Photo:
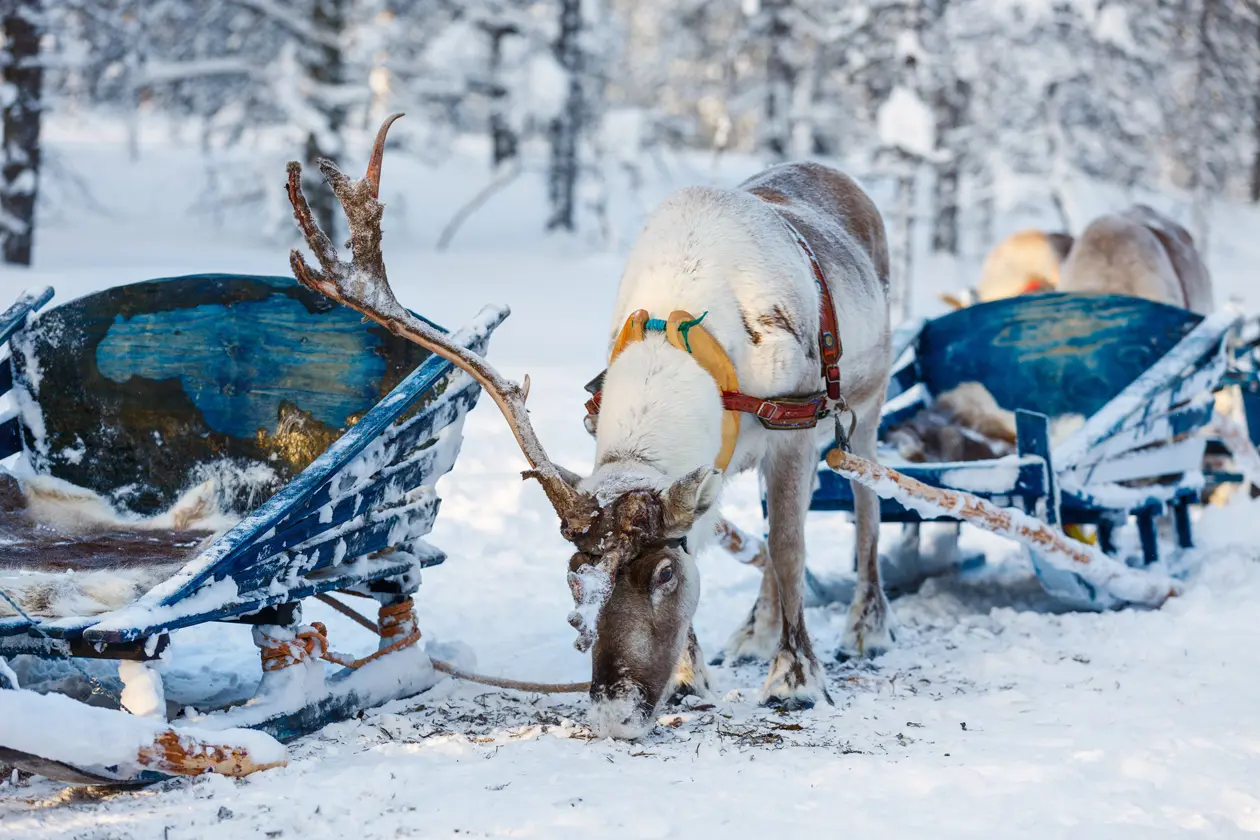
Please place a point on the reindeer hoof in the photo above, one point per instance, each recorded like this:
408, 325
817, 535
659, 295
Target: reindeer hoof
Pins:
869, 632
749, 644
796, 681
860, 647
790, 704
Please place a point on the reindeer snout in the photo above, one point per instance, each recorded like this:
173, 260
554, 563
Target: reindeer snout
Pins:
622, 712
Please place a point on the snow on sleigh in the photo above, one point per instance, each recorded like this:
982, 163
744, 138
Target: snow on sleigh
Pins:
1139, 379
320, 435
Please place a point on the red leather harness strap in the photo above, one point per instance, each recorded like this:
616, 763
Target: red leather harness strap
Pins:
779, 413
829, 347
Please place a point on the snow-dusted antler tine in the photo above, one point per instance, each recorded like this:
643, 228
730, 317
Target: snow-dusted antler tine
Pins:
362, 285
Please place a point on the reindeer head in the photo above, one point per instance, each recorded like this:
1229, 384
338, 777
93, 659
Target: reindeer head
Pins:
633, 578
635, 588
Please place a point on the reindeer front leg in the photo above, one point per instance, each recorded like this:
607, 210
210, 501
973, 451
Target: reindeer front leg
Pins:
691, 677
867, 633
757, 638
796, 679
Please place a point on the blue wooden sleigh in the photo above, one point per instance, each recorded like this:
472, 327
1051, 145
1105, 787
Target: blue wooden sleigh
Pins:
141, 386
1142, 374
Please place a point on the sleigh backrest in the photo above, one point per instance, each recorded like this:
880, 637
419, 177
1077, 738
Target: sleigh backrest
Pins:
1139, 373
141, 391
1055, 354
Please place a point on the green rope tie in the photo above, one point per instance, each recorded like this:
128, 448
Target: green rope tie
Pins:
660, 325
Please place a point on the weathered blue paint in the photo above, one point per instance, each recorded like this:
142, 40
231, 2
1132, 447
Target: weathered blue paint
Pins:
401, 439
1089, 346
238, 371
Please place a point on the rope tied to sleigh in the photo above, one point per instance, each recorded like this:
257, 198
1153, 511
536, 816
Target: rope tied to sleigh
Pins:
397, 626
396, 621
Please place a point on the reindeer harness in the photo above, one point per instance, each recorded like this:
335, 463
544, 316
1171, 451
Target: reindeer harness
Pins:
778, 413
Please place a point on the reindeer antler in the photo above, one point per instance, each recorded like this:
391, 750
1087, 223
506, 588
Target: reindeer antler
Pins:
362, 285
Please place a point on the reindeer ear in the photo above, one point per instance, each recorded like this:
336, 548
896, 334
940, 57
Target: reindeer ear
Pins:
690, 498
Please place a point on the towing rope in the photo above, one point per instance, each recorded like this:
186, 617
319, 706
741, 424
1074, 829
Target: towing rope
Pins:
395, 619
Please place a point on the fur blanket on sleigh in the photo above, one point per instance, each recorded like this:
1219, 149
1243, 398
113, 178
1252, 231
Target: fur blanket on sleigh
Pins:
64, 551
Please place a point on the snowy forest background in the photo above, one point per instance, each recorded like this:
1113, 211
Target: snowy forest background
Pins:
965, 107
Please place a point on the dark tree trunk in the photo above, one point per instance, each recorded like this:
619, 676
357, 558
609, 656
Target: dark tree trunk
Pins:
504, 140
780, 79
1255, 134
951, 107
19, 157
566, 129
325, 66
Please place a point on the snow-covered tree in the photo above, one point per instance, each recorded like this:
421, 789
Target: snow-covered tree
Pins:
21, 104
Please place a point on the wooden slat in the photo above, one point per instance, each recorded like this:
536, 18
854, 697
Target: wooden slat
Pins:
1155, 462
1195, 388
1087, 505
390, 487
370, 532
1113, 416
1157, 430
361, 573
355, 477
14, 318
13, 625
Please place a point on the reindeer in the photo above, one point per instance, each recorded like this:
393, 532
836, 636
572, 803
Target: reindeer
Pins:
1026, 262
795, 253
1139, 252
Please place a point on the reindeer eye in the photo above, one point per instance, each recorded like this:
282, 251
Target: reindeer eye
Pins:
666, 575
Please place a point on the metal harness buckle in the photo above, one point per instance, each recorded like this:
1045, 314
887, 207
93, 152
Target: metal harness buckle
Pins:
844, 437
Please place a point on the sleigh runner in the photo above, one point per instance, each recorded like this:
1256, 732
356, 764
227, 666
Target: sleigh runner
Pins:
1142, 375
139, 388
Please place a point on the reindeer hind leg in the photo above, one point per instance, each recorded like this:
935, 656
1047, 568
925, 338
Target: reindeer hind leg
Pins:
868, 631
757, 638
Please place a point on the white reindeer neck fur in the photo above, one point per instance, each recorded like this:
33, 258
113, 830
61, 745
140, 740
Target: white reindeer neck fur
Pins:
660, 418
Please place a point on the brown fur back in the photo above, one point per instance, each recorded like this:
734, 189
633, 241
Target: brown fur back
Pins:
1140, 252
1117, 255
1026, 258
1187, 263
825, 189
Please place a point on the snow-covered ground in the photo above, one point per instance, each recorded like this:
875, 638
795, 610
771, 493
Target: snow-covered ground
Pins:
995, 715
